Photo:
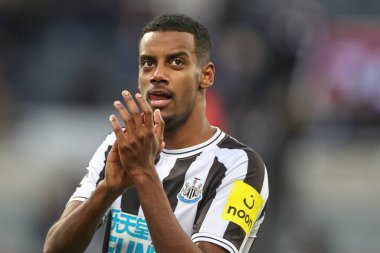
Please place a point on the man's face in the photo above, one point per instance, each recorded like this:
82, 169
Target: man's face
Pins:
169, 75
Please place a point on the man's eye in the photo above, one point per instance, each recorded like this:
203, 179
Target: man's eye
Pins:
177, 62
147, 63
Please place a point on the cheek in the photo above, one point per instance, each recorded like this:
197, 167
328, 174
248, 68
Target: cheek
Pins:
189, 96
143, 85
188, 91
142, 89
191, 84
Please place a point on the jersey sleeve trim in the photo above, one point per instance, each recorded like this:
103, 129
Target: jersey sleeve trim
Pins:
78, 198
207, 237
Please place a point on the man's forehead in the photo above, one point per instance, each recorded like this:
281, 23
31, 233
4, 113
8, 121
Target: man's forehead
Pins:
171, 40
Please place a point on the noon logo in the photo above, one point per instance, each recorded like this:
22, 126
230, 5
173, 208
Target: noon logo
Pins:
243, 205
232, 210
190, 194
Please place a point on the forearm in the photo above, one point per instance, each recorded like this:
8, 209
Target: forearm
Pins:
167, 234
73, 232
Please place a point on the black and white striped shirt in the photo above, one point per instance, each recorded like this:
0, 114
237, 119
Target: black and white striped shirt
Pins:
217, 190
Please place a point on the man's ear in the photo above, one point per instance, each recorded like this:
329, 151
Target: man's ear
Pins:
207, 75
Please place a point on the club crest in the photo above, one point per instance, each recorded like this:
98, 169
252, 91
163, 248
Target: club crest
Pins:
191, 194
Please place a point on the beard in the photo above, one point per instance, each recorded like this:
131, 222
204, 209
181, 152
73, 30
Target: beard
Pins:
175, 121
172, 122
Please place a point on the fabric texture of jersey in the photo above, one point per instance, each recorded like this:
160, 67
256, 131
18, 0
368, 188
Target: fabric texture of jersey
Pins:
217, 190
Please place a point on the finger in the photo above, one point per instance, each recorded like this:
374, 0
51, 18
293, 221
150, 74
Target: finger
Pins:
159, 125
124, 114
162, 146
120, 136
115, 147
113, 155
146, 110
133, 109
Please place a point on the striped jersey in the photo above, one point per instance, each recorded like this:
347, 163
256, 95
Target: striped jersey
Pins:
217, 190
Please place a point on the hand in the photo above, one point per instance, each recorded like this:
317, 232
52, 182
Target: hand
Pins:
116, 179
142, 140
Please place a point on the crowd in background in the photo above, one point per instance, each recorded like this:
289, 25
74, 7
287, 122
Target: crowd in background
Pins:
297, 80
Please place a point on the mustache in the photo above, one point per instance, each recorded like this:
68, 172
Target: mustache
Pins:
159, 92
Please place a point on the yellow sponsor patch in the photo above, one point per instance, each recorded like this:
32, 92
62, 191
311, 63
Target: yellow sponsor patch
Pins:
243, 205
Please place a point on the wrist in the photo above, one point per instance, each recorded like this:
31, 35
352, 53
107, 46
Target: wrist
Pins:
108, 192
145, 176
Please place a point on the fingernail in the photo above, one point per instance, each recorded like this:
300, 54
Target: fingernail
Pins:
138, 95
117, 103
125, 93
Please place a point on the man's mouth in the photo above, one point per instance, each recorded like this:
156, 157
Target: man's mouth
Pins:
159, 98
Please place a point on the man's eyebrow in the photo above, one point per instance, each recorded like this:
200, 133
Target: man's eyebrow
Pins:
178, 54
145, 56
168, 57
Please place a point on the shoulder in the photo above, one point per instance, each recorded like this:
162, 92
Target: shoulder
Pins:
233, 149
102, 151
110, 139
107, 142
242, 162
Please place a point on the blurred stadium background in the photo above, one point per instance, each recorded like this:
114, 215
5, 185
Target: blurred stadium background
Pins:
297, 80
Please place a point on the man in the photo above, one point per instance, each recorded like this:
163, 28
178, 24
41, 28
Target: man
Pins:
168, 181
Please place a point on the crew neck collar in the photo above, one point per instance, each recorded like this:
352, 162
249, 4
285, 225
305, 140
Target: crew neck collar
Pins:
190, 151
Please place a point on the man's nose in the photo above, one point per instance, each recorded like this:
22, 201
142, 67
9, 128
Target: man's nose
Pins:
159, 76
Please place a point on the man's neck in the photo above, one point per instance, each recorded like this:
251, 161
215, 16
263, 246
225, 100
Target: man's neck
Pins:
188, 135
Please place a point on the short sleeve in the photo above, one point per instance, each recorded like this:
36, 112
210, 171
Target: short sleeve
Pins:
233, 212
95, 171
